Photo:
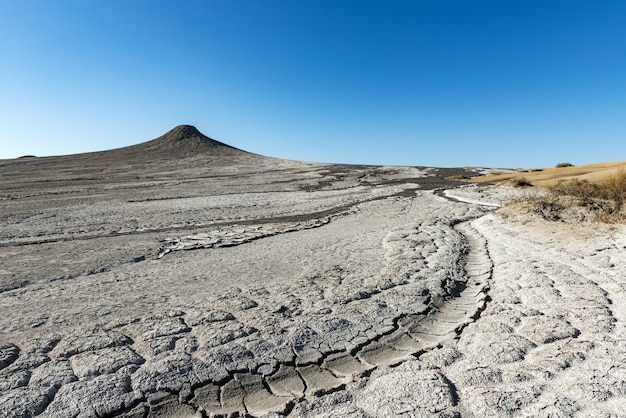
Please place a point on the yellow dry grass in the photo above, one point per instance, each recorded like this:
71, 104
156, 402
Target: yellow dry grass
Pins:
593, 173
595, 191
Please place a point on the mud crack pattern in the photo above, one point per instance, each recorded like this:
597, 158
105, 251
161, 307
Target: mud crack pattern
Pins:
239, 353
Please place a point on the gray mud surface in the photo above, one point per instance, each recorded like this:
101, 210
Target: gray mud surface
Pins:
182, 277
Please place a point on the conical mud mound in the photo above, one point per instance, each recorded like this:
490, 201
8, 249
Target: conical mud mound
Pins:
183, 141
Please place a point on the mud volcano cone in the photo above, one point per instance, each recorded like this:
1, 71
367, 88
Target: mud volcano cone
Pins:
185, 141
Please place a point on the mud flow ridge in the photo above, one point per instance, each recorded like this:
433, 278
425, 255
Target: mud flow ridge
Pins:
231, 234
278, 389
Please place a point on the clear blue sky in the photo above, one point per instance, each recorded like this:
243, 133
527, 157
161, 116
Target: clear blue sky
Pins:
439, 83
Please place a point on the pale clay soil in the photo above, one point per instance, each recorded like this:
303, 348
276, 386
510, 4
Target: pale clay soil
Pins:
262, 287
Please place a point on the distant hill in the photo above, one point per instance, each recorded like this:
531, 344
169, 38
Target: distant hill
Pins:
180, 149
182, 141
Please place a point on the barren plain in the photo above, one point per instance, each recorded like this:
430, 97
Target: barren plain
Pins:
183, 277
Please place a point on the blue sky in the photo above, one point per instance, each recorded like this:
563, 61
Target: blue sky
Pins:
438, 83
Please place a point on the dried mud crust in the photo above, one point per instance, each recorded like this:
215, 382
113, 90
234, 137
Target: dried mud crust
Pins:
319, 276
551, 342
58, 223
376, 308
156, 366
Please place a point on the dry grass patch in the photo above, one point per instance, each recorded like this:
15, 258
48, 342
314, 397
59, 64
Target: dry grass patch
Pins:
577, 194
614, 186
559, 208
458, 177
611, 188
521, 182
550, 176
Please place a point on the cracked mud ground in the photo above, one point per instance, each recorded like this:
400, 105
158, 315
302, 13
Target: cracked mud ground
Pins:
138, 282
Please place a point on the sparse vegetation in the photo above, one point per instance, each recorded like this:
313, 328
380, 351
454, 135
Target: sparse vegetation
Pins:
458, 177
582, 189
614, 187
582, 193
521, 182
562, 165
604, 199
